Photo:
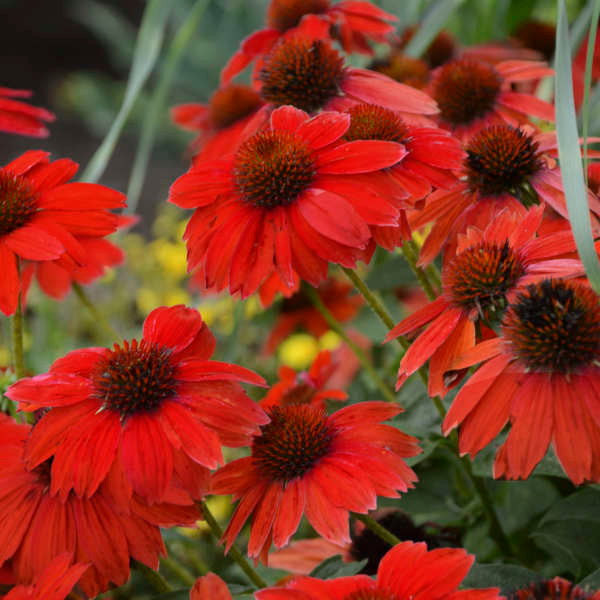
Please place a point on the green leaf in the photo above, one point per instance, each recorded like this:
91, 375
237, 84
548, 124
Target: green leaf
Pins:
147, 47
570, 154
157, 104
507, 577
582, 505
435, 18
176, 595
335, 567
580, 26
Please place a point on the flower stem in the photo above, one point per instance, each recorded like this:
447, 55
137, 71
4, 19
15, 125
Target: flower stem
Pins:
154, 578
496, 531
239, 558
411, 253
178, 570
98, 316
381, 311
378, 529
358, 351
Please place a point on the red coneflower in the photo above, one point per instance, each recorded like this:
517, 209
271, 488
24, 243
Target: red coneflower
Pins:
275, 205
556, 588
408, 570
478, 283
41, 215
220, 122
53, 583
543, 374
505, 167
403, 68
307, 72
17, 117
159, 403
307, 387
36, 526
351, 22
298, 312
472, 94
307, 462
431, 156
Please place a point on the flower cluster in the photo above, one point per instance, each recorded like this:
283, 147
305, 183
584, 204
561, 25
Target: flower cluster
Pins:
450, 161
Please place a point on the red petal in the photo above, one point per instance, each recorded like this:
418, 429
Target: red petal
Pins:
147, 456
361, 156
33, 243
418, 318
174, 327
81, 197
199, 442
291, 508
288, 118
324, 129
210, 586
530, 105
333, 217
27, 161
47, 176
9, 289
201, 186
212, 370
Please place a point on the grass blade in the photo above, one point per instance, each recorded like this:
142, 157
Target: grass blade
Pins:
570, 154
435, 18
157, 103
147, 47
585, 110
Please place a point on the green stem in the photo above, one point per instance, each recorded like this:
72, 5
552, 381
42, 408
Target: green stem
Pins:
411, 253
178, 570
233, 340
496, 531
239, 558
154, 578
358, 351
98, 316
381, 311
378, 529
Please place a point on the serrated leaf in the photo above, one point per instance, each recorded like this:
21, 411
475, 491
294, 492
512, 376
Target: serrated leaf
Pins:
334, 567
507, 577
570, 155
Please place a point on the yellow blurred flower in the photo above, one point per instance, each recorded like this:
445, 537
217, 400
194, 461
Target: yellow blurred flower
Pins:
298, 351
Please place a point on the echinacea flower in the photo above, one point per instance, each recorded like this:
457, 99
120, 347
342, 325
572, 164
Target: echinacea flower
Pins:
307, 72
556, 588
42, 215
158, 403
505, 167
23, 119
543, 375
352, 22
408, 570
210, 587
432, 155
298, 312
276, 204
473, 94
220, 122
53, 583
305, 462
307, 387
105, 530
477, 285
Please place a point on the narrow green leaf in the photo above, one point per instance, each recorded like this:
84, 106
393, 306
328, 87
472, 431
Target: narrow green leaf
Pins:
507, 577
585, 111
570, 154
579, 27
157, 104
435, 18
335, 567
147, 47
